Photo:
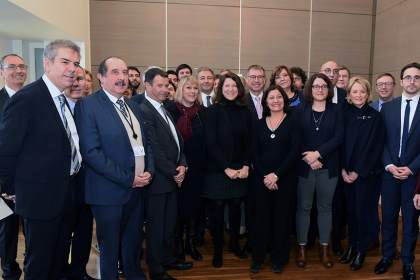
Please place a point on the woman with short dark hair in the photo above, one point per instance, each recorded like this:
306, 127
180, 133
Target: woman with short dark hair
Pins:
321, 125
275, 152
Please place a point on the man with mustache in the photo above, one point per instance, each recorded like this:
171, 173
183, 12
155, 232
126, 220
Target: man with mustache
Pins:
13, 71
39, 149
118, 165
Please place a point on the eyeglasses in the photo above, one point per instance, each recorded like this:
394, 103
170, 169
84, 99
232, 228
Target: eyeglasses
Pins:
253, 77
385, 84
318, 87
328, 71
411, 78
15, 66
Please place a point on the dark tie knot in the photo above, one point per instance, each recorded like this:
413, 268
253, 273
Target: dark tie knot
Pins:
408, 101
121, 103
61, 98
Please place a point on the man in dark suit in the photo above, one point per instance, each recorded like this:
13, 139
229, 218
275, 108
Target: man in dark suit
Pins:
82, 220
401, 159
331, 70
13, 72
119, 163
170, 172
39, 148
385, 84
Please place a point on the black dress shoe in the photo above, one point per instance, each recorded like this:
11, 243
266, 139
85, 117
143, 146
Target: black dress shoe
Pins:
255, 267
179, 265
358, 261
162, 276
408, 272
348, 255
383, 266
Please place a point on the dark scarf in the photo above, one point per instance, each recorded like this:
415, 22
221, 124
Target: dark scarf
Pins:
184, 121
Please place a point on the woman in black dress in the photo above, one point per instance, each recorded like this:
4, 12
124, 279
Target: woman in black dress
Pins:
228, 143
364, 135
188, 115
275, 152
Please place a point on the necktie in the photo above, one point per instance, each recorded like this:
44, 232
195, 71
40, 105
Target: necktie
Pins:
259, 107
208, 103
162, 108
405, 128
122, 108
75, 164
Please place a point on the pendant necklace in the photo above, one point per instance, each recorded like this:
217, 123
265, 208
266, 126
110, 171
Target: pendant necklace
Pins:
271, 128
317, 122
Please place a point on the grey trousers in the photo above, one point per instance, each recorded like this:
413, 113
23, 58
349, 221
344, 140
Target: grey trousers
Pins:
319, 181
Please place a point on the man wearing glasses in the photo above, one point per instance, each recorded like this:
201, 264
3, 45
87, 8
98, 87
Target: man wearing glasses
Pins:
331, 69
13, 72
385, 84
401, 161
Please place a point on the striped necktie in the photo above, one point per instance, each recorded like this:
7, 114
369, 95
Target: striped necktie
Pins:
122, 108
75, 164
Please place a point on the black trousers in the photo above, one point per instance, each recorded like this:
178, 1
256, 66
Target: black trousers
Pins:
362, 206
272, 227
217, 207
160, 230
9, 231
46, 242
339, 216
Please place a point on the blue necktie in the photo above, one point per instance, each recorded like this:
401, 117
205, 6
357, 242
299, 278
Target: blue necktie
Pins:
405, 128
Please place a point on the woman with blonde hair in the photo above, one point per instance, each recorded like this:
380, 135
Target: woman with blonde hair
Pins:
188, 114
364, 134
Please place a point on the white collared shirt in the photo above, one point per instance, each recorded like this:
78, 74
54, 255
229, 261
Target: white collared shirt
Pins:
9, 91
335, 97
55, 92
204, 98
158, 106
413, 107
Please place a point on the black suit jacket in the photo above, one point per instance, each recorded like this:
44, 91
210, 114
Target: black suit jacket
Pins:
341, 96
164, 147
35, 150
4, 96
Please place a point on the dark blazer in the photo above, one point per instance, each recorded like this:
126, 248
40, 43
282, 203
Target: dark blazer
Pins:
341, 96
165, 149
364, 134
138, 98
252, 109
4, 96
34, 147
331, 135
106, 150
375, 105
391, 113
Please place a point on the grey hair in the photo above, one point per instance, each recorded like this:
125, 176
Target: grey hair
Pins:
50, 51
6, 56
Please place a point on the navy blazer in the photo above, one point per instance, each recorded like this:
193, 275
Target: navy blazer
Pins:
106, 150
391, 113
165, 150
375, 105
35, 150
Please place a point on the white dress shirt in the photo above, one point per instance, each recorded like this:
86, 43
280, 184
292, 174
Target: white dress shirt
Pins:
204, 98
9, 91
335, 97
413, 107
159, 107
55, 92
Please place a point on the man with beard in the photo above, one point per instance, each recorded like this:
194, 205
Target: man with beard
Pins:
13, 71
134, 80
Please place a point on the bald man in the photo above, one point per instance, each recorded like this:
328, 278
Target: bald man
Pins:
331, 69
